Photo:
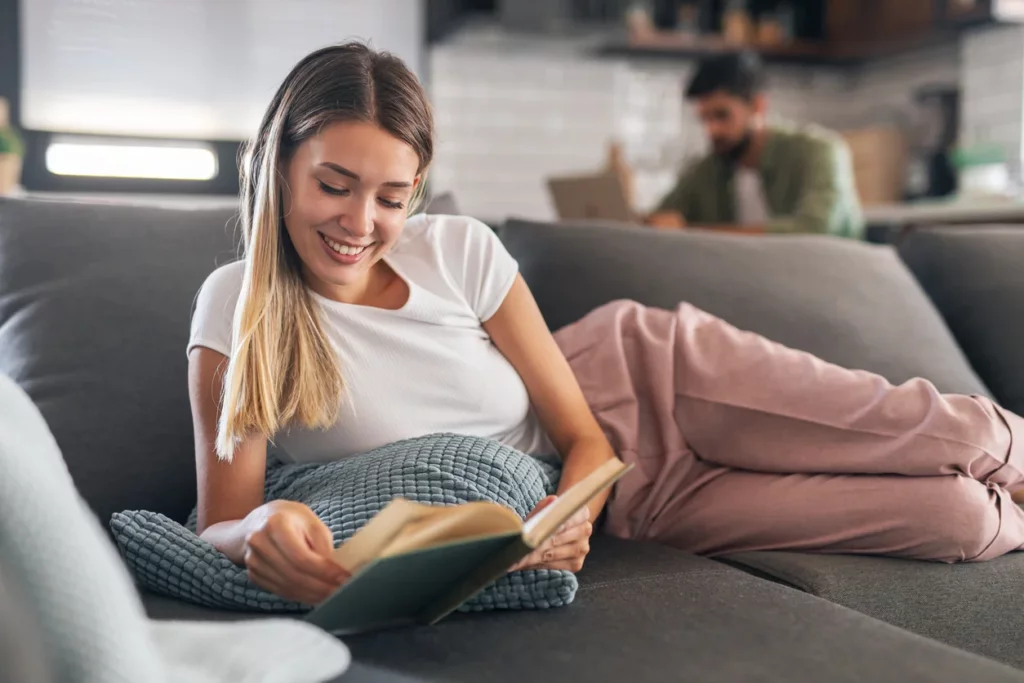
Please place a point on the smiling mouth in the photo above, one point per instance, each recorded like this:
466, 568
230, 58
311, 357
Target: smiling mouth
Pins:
343, 249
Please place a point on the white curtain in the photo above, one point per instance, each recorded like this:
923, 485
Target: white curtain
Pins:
193, 69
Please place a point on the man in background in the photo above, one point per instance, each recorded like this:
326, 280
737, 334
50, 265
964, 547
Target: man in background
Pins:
759, 178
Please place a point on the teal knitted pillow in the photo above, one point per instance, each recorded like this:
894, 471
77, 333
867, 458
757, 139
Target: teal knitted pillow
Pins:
167, 558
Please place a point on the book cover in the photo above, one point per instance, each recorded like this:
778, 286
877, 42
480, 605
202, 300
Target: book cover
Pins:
416, 564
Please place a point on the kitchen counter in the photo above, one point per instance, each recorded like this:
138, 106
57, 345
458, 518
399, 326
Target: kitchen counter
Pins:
946, 212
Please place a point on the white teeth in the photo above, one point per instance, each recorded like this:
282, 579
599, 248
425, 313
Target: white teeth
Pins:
342, 248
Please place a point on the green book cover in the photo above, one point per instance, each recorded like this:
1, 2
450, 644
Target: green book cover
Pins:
416, 564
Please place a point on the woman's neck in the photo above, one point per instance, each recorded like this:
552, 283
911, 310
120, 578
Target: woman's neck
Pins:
380, 288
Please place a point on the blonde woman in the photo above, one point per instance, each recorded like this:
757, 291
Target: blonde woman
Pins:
349, 325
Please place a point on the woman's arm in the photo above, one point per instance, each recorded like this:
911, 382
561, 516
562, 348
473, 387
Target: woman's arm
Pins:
227, 491
520, 333
284, 545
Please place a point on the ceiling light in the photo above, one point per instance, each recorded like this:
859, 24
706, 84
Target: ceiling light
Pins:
131, 160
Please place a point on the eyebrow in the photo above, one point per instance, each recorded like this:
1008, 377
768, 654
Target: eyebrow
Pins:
341, 170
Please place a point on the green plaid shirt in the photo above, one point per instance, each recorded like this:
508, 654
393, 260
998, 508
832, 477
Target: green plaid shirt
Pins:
807, 176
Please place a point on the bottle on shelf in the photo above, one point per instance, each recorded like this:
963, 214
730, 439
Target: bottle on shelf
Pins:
737, 24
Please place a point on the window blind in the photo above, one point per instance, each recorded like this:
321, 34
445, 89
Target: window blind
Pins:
188, 69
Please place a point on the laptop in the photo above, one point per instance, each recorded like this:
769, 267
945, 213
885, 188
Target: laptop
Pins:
591, 197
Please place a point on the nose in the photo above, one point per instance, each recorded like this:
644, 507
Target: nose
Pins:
359, 220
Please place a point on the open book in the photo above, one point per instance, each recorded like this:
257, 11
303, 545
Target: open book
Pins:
415, 563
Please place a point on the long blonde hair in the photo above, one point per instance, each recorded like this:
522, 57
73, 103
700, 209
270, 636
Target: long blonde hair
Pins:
282, 369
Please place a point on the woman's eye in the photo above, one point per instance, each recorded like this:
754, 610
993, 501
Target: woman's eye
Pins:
390, 204
340, 192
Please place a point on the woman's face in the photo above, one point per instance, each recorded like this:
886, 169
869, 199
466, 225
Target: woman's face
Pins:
345, 204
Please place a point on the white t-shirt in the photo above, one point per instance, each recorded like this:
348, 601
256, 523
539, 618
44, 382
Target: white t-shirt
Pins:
427, 367
751, 207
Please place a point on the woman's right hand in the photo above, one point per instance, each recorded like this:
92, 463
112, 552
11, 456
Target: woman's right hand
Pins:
288, 552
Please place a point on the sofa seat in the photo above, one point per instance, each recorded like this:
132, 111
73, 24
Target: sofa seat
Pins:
646, 612
978, 607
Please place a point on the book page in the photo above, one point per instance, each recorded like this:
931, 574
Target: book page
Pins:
455, 523
369, 542
546, 522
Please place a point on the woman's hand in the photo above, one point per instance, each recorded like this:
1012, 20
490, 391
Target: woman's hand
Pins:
567, 548
288, 552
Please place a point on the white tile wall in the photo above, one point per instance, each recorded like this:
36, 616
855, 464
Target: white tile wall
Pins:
992, 78
512, 111
884, 91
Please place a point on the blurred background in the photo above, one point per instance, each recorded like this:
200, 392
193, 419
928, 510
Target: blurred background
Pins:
152, 97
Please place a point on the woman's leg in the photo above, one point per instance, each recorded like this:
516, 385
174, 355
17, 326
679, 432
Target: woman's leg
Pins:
744, 402
740, 443
950, 518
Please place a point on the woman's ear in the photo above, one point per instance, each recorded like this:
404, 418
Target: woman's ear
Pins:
284, 192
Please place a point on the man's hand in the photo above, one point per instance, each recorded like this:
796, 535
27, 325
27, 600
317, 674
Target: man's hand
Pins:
567, 548
666, 220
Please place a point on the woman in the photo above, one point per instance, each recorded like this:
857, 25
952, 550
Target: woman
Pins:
349, 325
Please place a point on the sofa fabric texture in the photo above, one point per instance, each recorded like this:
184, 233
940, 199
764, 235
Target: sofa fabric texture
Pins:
975, 276
95, 304
647, 612
975, 607
683, 618
849, 303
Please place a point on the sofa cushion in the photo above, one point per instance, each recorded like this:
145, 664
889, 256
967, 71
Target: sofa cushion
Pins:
975, 606
649, 613
611, 561
694, 620
95, 303
850, 303
975, 277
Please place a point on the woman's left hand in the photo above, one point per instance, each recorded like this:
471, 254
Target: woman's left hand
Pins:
567, 548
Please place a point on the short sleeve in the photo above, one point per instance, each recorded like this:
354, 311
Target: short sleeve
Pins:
214, 313
477, 262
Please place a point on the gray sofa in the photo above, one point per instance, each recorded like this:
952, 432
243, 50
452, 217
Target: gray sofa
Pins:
95, 303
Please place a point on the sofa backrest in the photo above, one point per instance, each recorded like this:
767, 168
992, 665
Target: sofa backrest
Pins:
850, 303
95, 304
975, 276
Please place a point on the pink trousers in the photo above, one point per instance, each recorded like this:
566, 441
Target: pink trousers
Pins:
743, 444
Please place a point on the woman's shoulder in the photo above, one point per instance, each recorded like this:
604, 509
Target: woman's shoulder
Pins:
446, 235
464, 257
224, 284
215, 308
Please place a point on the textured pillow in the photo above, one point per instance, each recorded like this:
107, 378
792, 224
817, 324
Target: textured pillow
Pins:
95, 303
850, 303
975, 276
439, 469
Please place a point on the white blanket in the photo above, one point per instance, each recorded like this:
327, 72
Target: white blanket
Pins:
90, 619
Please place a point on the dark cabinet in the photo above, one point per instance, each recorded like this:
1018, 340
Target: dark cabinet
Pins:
863, 23
959, 12
836, 32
